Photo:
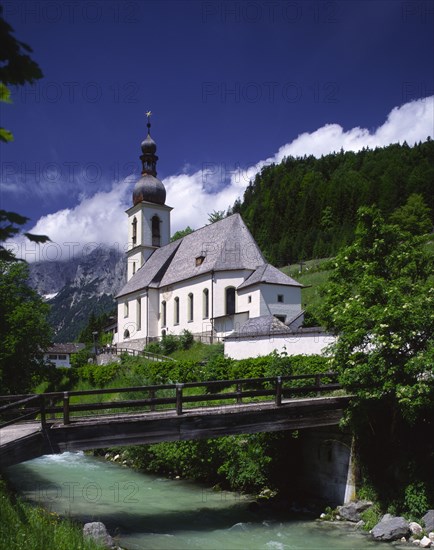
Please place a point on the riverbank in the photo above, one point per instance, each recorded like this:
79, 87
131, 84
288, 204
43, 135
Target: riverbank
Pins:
24, 525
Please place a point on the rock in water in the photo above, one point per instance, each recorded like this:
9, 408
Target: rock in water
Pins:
428, 519
98, 532
425, 542
415, 528
352, 510
391, 528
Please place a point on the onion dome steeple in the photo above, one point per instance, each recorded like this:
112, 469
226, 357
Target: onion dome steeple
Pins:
149, 188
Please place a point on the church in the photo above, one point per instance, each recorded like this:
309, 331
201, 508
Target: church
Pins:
212, 282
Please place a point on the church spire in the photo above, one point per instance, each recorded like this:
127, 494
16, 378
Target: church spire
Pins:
149, 148
149, 188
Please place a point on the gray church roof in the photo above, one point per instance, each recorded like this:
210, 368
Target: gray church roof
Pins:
268, 325
262, 326
224, 245
269, 274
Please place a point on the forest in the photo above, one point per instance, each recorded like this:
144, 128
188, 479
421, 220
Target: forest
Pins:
305, 208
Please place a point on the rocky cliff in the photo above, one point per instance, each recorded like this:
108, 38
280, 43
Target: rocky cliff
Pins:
79, 286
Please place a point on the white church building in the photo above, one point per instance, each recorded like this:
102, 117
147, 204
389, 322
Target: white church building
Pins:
212, 282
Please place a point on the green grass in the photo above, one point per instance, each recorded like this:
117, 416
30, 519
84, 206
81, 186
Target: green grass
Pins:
27, 527
313, 275
198, 352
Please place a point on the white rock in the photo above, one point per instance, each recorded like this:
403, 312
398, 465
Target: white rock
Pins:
416, 542
117, 457
415, 528
403, 539
431, 536
322, 516
425, 542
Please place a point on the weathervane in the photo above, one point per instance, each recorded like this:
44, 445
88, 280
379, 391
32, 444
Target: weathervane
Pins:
148, 115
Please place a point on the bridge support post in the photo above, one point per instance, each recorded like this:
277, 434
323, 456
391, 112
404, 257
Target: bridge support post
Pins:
278, 398
42, 409
179, 398
66, 408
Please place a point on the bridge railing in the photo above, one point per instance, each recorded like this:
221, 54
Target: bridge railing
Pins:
177, 397
18, 409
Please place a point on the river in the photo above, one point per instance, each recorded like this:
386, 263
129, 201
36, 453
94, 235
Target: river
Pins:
150, 512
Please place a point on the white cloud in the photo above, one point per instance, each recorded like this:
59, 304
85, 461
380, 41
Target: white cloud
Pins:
101, 218
96, 220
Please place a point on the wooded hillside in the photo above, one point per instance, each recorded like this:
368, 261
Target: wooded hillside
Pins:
306, 207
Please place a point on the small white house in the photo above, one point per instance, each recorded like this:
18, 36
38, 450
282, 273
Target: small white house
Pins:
210, 282
60, 354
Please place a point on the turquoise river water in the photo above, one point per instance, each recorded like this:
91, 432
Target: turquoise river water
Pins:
150, 512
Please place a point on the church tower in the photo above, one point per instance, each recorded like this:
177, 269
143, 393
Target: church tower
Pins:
149, 217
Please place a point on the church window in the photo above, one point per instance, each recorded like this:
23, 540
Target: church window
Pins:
281, 318
134, 235
134, 267
125, 309
230, 300
139, 314
163, 314
205, 303
126, 333
280, 298
176, 311
249, 299
190, 306
156, 237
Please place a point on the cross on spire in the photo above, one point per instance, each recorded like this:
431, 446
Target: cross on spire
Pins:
148, 116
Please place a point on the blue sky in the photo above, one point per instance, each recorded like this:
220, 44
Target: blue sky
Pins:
232, 85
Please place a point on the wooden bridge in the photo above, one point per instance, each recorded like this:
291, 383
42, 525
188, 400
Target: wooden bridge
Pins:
49, 423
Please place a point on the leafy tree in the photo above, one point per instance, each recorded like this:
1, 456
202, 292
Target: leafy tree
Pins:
380, 302
24, 330
181, 233
216, 216
16, 67
414, 216
8, 229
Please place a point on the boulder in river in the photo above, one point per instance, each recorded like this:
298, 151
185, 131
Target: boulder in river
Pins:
428, 520
391, 528
352, 510
97, 531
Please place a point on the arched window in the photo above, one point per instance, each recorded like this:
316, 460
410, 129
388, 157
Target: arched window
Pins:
134, 224
126, 333
163, 314
156, 237
190, 306
176, 311
205, 303
230, 300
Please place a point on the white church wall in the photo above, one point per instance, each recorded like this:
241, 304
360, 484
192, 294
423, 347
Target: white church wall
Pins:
216, 296
295, 344
253, 306
290, 296
132, 317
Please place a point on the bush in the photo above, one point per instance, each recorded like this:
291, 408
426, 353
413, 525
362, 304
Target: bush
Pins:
186, 339
169, 344
415, 499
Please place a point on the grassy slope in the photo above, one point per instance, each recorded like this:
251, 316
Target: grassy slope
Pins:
28, 527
